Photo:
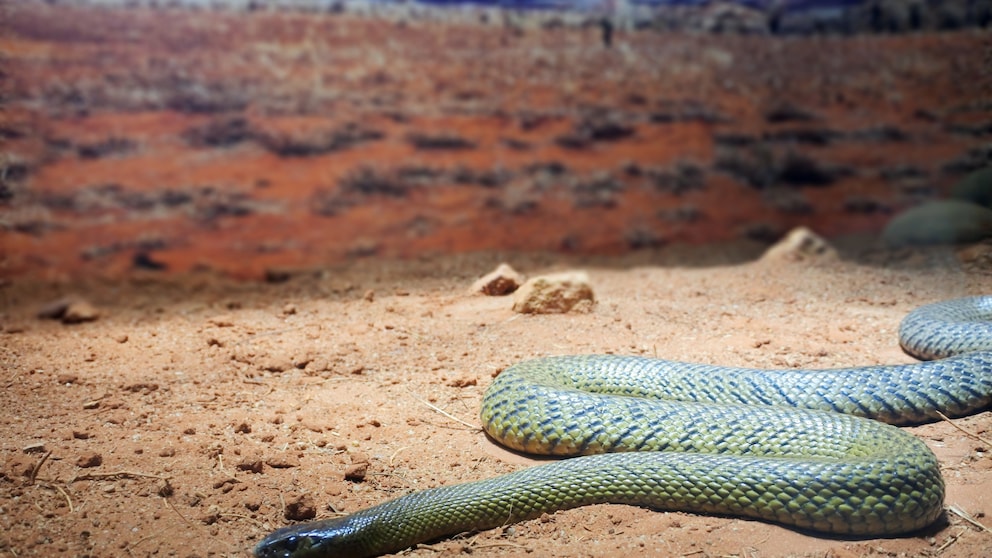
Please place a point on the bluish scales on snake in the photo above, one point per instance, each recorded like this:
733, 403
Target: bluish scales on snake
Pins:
796, 447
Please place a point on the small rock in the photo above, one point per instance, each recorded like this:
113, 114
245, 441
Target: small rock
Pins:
250, 463
313, 425
54, 309
356, 472
464, 381
253, 504
940, 222
212, 516
801, 244
276, 363
66, 378
554, 294
301, 508
89, 459
70, 309
221, 321
80, 311
37, 447
283, 461
501, 281
225, 485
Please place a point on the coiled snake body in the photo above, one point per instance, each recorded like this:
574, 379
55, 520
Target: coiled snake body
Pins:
772, 445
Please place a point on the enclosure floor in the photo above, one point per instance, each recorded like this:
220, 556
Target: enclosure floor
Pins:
196, 414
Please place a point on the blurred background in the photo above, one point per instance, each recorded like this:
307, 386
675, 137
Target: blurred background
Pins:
248, 137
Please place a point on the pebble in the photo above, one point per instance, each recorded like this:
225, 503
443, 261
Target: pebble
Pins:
250, 463
222, 320
356, 472
499, 282
300, 508
80, 311
555, 293
801, 244
37, 447
70, 310
283, 461
89, 459
54, 309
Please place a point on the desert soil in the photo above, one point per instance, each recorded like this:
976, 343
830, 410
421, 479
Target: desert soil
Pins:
197, 413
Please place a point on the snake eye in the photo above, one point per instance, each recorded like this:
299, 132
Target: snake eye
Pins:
292, 543
297, 544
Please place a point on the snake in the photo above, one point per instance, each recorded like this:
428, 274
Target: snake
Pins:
818, 451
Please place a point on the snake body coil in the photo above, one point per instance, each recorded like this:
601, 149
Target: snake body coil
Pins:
772, 445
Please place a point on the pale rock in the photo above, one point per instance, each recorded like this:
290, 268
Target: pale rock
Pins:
555, 294
801, 244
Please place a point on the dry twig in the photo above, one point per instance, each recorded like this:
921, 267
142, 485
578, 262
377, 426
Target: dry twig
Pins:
956, 510
116, 474
443, 412
962, 430
36, 468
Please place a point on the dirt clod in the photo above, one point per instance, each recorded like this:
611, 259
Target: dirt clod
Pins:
80, 311
501, 281
282, 461
252, 464
89, 459
300, 508
356, 472
70, 310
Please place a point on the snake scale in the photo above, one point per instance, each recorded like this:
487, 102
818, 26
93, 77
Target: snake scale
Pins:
794, 447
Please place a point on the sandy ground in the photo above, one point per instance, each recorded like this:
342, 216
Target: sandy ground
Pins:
196, 414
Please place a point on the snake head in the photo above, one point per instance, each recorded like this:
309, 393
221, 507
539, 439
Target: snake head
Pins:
288, 546
337, 538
